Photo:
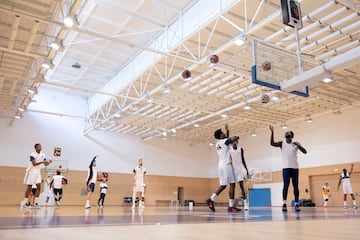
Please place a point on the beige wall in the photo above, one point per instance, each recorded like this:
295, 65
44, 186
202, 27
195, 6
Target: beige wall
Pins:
165, 187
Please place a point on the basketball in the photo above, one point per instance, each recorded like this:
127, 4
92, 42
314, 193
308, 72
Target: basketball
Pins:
46, 163
100, 177
214, 59
186, 74
266, 66
64, 181
265, 98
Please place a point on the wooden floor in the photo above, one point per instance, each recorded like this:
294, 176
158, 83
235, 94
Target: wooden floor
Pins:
175, 223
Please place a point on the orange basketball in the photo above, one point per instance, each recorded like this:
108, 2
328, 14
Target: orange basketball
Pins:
266, 66
186, 74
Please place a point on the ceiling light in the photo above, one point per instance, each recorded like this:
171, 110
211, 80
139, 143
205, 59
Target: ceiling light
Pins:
173, 130
253, 133
31, 91
284, 126
20, 109
239, 41
55, 45
211, 144
308, 119
224, 115
327, 80
166, 90
69, 21
17, 117
275, 97
247, 107
47, 65
117, 115
164, 133
196, 125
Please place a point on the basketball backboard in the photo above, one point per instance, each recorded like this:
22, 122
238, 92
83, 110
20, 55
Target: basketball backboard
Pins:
284, 66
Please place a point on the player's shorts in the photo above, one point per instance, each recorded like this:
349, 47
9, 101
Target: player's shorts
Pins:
139, 188
32, 179
347, 189
226, 175
240, 176
91, 187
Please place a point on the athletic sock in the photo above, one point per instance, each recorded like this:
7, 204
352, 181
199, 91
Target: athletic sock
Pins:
213, 197
231, 202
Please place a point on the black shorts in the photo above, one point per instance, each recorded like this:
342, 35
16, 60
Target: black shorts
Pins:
91, 187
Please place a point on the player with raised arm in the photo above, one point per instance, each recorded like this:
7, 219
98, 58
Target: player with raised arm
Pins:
33, 175
346, 185
290, 165
226, 171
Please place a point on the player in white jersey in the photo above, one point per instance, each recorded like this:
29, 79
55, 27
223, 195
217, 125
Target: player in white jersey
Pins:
226, 171
33, 174
56, 184
290, 165
346, 185
91, 181
103, 190
325, 192
139, 185
240, 169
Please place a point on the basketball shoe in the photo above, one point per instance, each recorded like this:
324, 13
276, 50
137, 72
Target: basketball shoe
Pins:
210, 203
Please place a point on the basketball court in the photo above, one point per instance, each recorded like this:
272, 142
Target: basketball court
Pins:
121, 222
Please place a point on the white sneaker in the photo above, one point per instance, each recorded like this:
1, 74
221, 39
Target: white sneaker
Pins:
87, 206
133, 206
355, 207
246, 207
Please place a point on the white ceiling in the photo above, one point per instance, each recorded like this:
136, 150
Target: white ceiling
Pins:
129, 50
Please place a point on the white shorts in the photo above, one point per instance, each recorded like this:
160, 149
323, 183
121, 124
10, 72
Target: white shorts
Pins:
347, 189
240, 176
226, 175
49, 193
32, 178
139, 188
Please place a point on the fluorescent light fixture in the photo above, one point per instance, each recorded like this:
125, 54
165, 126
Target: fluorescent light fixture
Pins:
117, 115
211, 144
47, 65
20, 109
164, 133
275, 97
224, 115
253, 133
196, 125
327, 80
150, 100
55, 45
17, 117
247, 107
173, 130
284, 126
308, 119
31, 91
239, 42
69, 21
166, 90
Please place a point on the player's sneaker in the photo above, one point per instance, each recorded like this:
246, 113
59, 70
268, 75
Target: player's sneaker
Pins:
326, 206
345, 207
210, 203
133, 206
233, 209
355, 207
297, 207
87, 206
26, 205
284, 208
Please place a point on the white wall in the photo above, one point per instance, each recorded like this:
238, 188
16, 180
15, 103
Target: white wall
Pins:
329, 139
118, 153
